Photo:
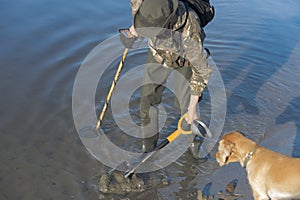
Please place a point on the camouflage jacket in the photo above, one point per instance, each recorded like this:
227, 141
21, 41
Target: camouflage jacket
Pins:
189, 45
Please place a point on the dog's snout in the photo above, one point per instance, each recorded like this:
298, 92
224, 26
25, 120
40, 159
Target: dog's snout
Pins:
218, 158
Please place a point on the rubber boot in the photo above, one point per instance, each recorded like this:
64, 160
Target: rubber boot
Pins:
148, 144
149, 131
195, 147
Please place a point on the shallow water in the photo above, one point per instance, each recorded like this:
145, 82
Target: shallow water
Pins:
256, 48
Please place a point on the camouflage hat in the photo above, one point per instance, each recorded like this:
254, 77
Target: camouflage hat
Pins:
155, 13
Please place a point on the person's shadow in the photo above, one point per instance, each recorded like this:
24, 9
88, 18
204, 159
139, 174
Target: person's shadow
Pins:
292, 114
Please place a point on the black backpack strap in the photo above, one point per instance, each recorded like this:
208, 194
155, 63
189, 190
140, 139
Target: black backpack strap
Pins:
185, 3
181, 58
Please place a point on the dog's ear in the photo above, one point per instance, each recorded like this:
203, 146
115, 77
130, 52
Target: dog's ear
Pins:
232, 157
226, 152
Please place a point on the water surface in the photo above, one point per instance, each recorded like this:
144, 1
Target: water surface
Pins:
255, 45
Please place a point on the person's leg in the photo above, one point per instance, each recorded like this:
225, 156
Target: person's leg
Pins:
182, 92
153, 86
182, 88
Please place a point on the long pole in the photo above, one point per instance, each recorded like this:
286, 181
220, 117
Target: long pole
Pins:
112, 87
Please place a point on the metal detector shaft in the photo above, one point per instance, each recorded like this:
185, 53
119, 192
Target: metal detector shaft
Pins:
144, 157
112, 87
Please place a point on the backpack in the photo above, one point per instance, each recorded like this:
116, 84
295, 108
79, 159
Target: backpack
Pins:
204, 10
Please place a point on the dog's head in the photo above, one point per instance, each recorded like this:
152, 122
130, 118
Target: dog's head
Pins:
227, 151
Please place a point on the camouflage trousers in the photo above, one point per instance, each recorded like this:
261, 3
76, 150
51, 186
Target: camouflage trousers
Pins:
155, 77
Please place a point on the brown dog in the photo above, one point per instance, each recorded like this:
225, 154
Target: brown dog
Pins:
271, 175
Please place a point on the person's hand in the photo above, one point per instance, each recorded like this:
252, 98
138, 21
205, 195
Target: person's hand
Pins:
192, 109
128, 37
192, 115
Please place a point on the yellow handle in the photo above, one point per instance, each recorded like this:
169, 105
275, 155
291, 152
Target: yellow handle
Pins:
179, 130
179, 125
174, 135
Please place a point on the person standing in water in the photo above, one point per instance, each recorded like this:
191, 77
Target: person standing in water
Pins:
175, 43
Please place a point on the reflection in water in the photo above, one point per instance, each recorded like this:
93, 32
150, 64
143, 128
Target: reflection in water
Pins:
43, 44
291, 114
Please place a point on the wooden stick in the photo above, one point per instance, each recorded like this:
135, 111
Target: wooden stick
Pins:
112, 87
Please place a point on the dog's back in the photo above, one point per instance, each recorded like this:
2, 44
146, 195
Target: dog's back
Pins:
270, 174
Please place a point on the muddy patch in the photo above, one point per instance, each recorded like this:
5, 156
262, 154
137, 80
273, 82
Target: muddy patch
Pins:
116, 183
